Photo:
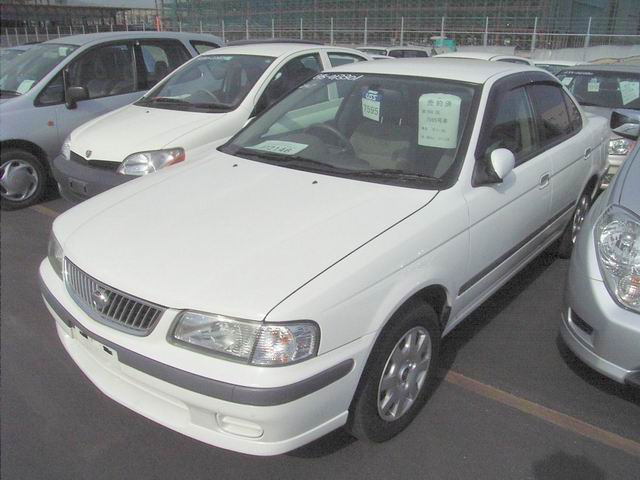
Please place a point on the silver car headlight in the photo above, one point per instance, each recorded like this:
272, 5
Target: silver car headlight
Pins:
142, 163
620, 146
255, 343
617, 236
55, 254
65, 151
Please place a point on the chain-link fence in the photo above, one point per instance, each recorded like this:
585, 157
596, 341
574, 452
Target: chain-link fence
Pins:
523, 34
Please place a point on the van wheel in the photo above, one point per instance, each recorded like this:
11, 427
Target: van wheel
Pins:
570, 234
22, 179
399, 375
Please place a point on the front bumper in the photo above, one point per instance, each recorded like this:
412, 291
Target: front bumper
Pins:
77, 181
252, 415
602, 334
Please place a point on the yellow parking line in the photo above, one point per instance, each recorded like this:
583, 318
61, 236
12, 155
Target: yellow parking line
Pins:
45, 211
561, 420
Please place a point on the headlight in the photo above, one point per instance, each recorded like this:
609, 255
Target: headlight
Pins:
142, 163
257, 343
55, 254
620, 146
66, 148
617, 236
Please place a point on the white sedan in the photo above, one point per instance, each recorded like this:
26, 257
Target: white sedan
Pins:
301, 277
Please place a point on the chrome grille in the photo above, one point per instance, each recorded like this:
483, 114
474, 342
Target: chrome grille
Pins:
107, 305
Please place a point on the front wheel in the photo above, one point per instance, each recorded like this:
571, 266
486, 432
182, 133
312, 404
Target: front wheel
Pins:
399, 375
570, 234
22, 179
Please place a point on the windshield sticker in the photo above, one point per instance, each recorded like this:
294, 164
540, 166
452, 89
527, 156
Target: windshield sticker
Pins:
438, 120
371, 105
24, 86
593, 85
629, 90
566, 80
280, 146
337, 76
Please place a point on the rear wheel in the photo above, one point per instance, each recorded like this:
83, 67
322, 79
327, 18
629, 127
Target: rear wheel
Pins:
570, 234
399, 375
22, 179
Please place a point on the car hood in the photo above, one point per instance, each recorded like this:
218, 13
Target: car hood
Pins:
114, 136
228, 235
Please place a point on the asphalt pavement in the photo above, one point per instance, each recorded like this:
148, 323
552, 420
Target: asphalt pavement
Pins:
512, 403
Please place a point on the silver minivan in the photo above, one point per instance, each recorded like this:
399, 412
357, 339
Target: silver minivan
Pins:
58, 85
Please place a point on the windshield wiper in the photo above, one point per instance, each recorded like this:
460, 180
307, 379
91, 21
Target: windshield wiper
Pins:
288, 159
394, 172
166, 100
11, 93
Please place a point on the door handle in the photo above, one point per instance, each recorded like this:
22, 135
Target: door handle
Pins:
587, 152
544, 180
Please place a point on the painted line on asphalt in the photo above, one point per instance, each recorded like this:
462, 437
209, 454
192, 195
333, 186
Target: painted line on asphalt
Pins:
554, 417
45, 211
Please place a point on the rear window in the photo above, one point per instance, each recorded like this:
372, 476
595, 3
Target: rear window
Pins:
603, 89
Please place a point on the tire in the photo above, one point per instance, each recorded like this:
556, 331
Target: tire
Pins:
23, 179
371, 401
568, 239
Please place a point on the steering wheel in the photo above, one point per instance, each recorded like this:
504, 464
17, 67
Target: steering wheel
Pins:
322, 129
207, 93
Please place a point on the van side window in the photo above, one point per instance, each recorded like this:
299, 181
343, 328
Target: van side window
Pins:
551, 112
159, 58
202, 47
53, 93
341, 58
514, 126
574, 114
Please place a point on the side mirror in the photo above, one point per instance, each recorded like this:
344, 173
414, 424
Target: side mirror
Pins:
501, 163
626, 123
73, 95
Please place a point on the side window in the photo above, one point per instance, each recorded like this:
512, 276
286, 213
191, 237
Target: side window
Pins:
396, 53
53, 93
415, 53
574, 113
551, 112
292, 74
339, 58
513, 127
104, 71
159, 58
202, 47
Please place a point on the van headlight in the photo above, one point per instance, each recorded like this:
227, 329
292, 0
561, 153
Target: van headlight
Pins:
255, 343
617, 237
142, 163
620, 146
65, 151
55, 254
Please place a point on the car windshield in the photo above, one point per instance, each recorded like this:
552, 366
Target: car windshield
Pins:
210, 83
379, 128
26, 70
603, 89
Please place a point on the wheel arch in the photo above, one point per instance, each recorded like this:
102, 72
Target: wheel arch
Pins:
436, 296
27, 146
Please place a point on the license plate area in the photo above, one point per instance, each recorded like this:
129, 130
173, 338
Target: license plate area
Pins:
97, 349
78, 187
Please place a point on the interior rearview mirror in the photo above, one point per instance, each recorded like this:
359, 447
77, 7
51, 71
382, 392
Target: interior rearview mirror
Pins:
73, 95
501, 163
626, 123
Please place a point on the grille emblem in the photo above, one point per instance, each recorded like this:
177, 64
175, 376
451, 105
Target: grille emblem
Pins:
100, 299
88, 153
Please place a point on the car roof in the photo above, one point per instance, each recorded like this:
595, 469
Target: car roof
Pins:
273, 49
479, 55
617, 67
461, 69
87, 38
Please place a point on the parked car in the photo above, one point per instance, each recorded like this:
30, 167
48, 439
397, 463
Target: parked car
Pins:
409, 51
601, 315
300, 277
206, 100
600, 89
492, 57
58, 85
555, 66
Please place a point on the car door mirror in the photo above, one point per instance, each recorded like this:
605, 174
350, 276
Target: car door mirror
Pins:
501, 163
74, 95
626, 123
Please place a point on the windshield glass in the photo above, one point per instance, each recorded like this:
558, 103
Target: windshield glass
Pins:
380, 128
23, 72
603, 89
210, 83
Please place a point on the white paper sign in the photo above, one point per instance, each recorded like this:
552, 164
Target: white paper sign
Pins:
566, 80
280, 146
593, 85
24, 86
438, 120
629, 90
371, 105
